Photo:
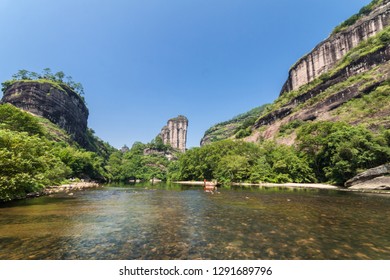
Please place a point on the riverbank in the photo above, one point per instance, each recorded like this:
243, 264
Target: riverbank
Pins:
290, 185
66, 188
367, 189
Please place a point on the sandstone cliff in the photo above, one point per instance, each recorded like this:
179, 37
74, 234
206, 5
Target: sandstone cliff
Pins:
175, 133
345, 78
326, 54
59, 104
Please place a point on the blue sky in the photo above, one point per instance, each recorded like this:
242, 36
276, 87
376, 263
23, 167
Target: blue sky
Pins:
142, 62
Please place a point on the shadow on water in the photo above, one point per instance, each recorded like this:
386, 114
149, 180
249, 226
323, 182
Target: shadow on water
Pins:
169, 221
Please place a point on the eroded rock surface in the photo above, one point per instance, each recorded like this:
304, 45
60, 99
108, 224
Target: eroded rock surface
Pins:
175, 133
59, 104
326, 54
374, 176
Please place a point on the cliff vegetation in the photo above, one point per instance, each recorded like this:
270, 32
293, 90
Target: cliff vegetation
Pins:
326, 130
366, 10
59, 80
35, 153
238, 127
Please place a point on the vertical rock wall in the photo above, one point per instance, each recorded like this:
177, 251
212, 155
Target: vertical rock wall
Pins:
325, 55
175, 133
60, 105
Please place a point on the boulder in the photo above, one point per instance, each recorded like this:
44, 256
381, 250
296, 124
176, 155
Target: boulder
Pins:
369, 175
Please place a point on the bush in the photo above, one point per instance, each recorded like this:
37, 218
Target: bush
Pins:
26, 165
15, 119
338, 151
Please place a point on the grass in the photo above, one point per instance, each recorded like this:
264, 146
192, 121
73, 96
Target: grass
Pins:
238, 125
53, 132
371, 109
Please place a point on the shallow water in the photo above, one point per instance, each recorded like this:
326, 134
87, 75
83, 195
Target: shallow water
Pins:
183, 222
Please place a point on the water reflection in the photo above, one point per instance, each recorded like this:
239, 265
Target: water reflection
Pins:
183, 222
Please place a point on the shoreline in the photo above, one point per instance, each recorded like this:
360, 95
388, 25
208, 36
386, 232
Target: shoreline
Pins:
296, 186
292, 185
66, 188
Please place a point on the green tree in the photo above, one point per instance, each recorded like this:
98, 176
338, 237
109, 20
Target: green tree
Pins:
15, 119
233, 168
338, 151
26, 164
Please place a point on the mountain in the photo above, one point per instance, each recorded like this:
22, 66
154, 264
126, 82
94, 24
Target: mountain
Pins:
237, 127
344, 78
44, 138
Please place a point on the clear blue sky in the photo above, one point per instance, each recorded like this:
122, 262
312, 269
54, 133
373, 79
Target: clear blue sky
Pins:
142, 62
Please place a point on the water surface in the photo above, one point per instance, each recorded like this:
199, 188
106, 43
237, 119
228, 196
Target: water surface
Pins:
183, 222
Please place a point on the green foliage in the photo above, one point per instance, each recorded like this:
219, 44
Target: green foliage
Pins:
14, 119
141, 162
96, 145
353, 19
46, 76
26, 164
243, 132
326, 152
371, 109
31, 160
337, 151
82, 163
365, 79
239, 126
237, 161
290, 127
366, 47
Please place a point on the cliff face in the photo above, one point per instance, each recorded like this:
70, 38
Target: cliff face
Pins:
378, 62
326, 54
175, 133
345, 78
59, 104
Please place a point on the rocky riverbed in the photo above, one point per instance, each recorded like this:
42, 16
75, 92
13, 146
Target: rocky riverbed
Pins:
67, 188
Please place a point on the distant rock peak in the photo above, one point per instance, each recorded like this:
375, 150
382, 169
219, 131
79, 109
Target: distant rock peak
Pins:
175, 133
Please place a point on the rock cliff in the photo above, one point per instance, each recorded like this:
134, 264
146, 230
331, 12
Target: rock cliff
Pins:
57, 103
326, 54
345, 78
304, 107
175, 133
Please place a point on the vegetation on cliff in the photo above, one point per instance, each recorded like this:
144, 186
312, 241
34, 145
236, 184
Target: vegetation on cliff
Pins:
32, 158
336, 126
59, 80
238, 127
353, 19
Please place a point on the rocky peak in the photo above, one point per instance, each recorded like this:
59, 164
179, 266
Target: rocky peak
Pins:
57, 103
175, 133
327, 53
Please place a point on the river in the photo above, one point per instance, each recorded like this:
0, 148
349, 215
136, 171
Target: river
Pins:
183, 222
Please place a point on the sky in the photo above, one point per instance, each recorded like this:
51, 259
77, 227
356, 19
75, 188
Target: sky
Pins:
142, 62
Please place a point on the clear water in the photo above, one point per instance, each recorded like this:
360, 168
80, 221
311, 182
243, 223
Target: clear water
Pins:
176, 222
